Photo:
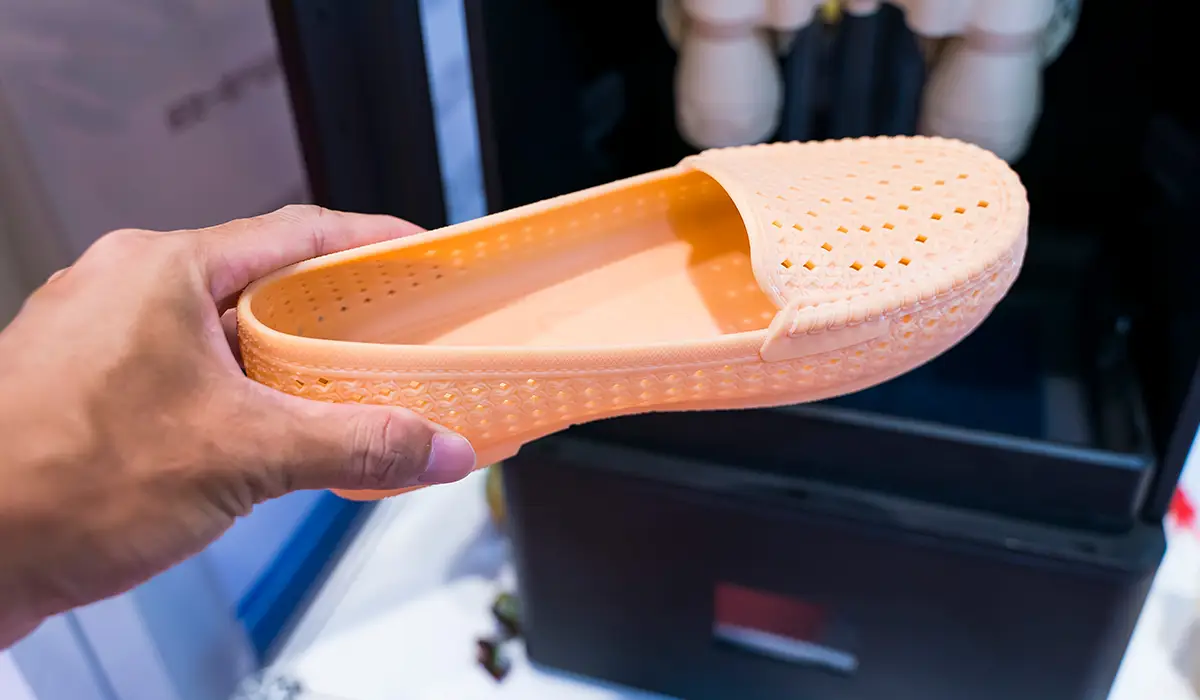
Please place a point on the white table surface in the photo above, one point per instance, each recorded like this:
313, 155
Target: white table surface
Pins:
399, 616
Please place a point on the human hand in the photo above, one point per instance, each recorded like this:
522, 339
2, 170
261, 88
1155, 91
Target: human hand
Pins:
129, 437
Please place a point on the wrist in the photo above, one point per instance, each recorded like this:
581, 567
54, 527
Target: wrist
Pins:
18, 615
21, 611
26, 508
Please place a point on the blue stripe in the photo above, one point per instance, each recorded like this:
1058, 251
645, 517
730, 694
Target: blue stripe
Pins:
298, 568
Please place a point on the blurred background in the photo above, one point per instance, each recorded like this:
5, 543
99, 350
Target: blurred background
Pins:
1004, 533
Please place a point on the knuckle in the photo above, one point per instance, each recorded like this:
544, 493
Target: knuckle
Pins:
124, 243
311, 219
389, 450
119, 248
301, 212
120, 240
54, 277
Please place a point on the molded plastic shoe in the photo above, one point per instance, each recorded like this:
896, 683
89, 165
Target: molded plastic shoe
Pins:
744, 277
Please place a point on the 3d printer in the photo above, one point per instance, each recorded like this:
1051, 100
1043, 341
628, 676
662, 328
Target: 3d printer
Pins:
986, 526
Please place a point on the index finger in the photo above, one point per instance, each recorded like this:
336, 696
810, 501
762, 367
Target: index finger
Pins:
237, 253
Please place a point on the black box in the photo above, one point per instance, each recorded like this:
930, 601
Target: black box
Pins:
625, 558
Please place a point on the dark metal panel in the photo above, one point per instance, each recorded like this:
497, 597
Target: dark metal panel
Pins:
480, 81
360, 92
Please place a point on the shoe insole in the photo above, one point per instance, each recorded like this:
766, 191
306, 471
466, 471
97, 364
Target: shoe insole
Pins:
682, 274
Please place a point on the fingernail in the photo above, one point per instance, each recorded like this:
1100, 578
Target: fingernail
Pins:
451, 458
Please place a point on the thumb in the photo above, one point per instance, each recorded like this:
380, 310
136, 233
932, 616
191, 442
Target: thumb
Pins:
315, 445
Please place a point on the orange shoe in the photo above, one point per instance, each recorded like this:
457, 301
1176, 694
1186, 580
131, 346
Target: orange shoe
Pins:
743, 277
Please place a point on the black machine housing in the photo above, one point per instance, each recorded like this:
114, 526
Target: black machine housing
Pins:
986, 526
